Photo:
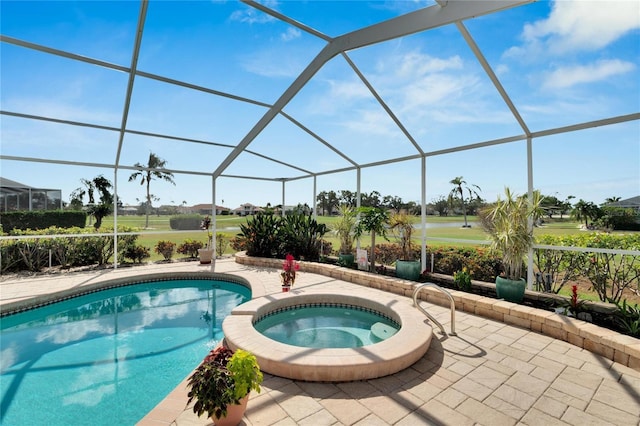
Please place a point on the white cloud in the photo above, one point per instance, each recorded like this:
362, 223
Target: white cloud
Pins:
290, 34
250, 15
575, 25
564, 77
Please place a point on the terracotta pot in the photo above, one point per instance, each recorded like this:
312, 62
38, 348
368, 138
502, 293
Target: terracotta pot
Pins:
234, 414
286, 288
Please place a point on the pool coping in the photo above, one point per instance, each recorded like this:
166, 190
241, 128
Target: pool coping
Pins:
17, 306
612, 345
394, 354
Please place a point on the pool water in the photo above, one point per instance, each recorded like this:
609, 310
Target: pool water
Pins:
326, 327
109, 357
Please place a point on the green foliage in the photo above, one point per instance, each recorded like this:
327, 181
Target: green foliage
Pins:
401, 225
628, 318
245, 373
221, 379
185, 222
507, 223
238, 243
301, 236
42, 219
166, 249
618, 219
261, 235
344, 228
190, 247
482, 264
136, 253
32, 254
372, 220
563, 265
222, 242
462, 279
271, 236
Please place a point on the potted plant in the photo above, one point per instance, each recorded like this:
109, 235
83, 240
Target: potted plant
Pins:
206, 253
402, 227
220, 385
374, 221
509, 223
288, 274
344, 229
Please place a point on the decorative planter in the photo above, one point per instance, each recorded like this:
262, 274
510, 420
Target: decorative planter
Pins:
346, 260
234, 415
286, 288
510, 290
205, 256
408, 269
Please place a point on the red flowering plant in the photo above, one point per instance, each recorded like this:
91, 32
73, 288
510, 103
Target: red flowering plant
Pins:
289, 268
573, 306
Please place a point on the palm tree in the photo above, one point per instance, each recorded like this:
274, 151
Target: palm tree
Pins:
104, 207
459, 188
153, 170
584, 210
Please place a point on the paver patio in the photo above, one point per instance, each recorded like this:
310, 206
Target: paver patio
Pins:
490, 373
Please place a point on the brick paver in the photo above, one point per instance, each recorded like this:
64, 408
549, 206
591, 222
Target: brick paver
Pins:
490, 374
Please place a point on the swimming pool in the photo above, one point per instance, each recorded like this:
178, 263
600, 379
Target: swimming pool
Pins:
326, 326
109, 357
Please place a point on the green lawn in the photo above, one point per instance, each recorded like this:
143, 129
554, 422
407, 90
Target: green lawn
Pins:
230, 227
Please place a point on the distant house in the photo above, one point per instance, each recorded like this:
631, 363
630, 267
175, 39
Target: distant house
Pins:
15, 196
629, 203
247, 209
205, 209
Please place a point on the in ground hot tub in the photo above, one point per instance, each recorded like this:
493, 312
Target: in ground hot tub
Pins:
391, 354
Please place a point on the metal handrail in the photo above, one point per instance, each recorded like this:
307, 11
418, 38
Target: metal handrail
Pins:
453, 307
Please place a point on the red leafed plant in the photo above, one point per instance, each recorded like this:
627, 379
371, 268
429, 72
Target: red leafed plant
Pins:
289, 268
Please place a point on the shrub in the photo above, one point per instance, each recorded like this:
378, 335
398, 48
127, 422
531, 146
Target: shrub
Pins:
190, 247
300, 235
136, 253
23, 220
261, 235
238, 243
222, 242
185, 222
166, 249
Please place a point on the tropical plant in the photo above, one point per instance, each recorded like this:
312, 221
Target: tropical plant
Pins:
509, 223
166, 249
459, 188
289, 269
190, 247
462, 279
372, 220
585, 210
261, 235
401, 226
152, 171
572, 306
344, 228
222, 242
628, 318
101, 209
301, 235
205, 225
223, 378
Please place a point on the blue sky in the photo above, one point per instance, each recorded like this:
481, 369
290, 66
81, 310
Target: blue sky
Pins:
561, 63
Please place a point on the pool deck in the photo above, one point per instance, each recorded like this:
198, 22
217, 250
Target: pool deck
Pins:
491, 373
